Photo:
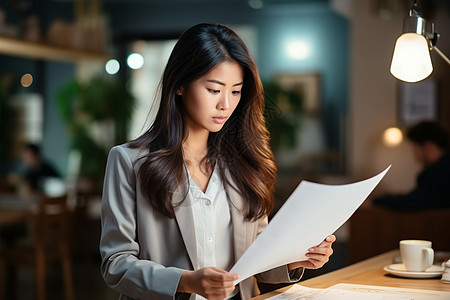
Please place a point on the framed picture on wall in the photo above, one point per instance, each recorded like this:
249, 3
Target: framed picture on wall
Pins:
300, 130
417, 102
305, 84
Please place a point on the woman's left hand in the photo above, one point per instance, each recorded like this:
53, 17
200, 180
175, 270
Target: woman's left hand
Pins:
317, 256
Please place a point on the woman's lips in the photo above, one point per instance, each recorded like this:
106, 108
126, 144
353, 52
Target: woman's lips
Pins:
219, 120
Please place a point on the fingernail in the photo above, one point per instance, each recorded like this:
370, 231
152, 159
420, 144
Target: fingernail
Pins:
311, 250
328, 238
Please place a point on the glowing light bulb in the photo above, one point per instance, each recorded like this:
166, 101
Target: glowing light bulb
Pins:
411, 61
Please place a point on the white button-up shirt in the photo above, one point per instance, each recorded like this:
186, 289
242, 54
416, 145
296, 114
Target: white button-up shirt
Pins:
212, 223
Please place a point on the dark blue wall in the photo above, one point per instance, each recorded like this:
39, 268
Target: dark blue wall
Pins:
313, 21
328, 36
276, 23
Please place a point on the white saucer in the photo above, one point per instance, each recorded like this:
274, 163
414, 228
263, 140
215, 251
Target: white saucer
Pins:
400, 270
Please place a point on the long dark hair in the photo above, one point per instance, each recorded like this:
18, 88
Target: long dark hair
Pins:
241, 146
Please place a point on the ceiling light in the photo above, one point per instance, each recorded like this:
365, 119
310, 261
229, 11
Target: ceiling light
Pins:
255, 4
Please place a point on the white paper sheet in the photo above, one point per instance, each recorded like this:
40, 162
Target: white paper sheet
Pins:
358, 292
310, 214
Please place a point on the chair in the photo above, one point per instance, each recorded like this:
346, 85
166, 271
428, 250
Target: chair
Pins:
49, 243
374, 230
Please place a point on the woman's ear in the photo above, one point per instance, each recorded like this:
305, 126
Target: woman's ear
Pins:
180, 91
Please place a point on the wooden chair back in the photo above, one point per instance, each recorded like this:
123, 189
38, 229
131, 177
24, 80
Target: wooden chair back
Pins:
50, 239
52, 221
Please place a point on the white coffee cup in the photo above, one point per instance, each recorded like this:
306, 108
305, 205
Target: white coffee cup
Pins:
417, 255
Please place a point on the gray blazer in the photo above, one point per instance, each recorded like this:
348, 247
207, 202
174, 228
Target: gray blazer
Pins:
144, 253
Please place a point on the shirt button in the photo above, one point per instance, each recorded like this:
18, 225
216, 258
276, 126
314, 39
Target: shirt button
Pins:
210, 239
207, 202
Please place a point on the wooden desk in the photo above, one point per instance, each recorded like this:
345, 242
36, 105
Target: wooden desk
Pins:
367, 272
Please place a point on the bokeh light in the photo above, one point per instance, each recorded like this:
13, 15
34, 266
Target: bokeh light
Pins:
112, 66
135, 61
392, 137
298, 50
26, 80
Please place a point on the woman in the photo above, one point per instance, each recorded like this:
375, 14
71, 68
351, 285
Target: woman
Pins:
183, 202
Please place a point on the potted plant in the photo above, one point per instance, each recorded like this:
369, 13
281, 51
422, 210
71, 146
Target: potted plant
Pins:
97, 114
283, 109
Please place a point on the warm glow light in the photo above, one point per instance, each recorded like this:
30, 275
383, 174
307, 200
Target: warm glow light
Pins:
298, 50
135, 61
112, 66
26, 80
411, 61
392, 136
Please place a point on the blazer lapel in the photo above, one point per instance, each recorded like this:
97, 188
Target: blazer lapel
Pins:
185, 221
242, 230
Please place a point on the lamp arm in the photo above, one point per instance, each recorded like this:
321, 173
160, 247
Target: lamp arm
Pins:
442, 55
432, 40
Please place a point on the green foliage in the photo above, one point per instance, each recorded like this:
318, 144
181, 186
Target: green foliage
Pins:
102, 100
282, 111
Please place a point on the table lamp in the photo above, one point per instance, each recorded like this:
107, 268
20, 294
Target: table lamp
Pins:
411, 61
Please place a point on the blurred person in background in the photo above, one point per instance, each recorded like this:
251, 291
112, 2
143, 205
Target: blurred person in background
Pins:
29, 183
34, 169
430, 147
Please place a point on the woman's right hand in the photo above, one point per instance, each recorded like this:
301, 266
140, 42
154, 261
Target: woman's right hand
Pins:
210, 282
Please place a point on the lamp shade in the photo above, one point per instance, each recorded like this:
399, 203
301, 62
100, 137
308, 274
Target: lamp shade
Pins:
411, 61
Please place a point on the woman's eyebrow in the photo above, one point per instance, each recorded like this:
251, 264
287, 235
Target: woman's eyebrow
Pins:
221, 83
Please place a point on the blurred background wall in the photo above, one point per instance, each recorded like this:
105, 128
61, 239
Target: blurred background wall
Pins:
348, 46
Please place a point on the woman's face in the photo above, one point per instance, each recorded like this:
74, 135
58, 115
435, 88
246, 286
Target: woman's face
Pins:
210, 100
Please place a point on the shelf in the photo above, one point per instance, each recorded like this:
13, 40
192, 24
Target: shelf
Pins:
35, 50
